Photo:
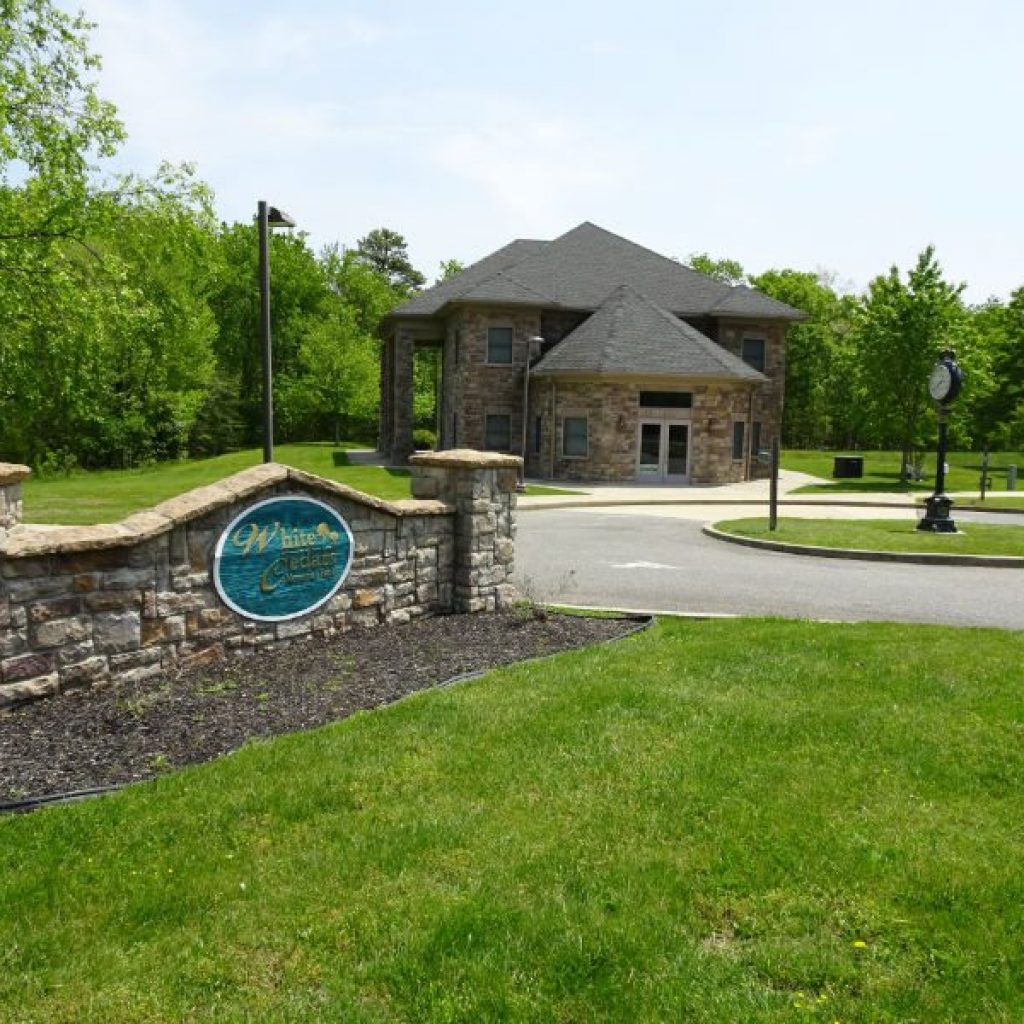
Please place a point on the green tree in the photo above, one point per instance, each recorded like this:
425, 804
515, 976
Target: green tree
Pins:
726, 271
448, 269
51, 117
299, 297
822, 405
998, 332
903, 328
386, 251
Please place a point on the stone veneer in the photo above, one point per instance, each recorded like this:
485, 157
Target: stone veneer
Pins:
10, 495
612, 408
471, 389
92, 606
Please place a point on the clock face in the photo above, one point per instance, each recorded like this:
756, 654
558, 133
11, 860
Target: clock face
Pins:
940, 382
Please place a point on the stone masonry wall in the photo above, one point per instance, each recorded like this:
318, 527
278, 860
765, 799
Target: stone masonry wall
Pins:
92, 606
481, 388
613, 413
10, 495
768, 398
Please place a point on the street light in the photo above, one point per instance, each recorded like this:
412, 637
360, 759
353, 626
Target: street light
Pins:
267, 217
530, 343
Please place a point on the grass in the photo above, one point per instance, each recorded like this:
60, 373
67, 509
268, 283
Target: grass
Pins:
882, 471
884, 535
105, 496
673, 828
532, 489
109, 495
1000, 501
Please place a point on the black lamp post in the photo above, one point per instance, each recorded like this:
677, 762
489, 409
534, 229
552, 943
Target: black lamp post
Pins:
267, 217
944, 385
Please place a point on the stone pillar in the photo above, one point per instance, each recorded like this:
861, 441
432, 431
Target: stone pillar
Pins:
404, 349
11, 476
386, 429
482, 488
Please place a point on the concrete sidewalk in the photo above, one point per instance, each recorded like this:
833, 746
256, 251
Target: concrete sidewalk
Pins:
706, 502
753, 492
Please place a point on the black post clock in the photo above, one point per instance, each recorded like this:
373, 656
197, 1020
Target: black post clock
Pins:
944, 384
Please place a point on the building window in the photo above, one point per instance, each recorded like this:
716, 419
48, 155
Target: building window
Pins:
738, 430
753, 353
538, 428
457, 355
574, 436
498, 432
499, 345
755, 437
666, 399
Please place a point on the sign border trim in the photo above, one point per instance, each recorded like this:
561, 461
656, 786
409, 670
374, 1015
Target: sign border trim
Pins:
226, 532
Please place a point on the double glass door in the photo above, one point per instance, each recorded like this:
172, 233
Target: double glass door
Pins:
664, 452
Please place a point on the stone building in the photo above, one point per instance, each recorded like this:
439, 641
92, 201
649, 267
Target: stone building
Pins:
594, 359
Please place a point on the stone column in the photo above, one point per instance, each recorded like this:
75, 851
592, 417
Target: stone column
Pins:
11, 476
386, 429
482, 488
404, 349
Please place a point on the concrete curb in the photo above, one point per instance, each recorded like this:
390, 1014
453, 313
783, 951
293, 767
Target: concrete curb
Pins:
921, 558
620, 502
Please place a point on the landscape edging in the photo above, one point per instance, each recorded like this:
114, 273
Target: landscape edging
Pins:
916, 557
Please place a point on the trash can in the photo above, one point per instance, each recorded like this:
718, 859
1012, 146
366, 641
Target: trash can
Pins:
847, 467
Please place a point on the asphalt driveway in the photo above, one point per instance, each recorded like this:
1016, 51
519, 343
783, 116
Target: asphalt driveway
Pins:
658, 559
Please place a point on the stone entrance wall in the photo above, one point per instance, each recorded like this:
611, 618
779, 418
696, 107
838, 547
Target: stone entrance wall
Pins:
92, 606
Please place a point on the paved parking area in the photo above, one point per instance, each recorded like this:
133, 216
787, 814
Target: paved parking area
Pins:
656, 558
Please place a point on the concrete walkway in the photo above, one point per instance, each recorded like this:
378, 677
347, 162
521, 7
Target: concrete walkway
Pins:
693, 502
690, 502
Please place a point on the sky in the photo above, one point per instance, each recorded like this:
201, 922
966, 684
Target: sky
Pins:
817, 135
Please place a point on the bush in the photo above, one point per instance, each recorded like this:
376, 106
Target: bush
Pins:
424, 440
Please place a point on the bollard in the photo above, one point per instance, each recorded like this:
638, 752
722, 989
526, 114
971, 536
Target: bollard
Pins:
1011, 477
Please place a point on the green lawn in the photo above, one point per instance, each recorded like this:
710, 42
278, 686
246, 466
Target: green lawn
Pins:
1001, 501
884, 535
109, 495
882, 471
674, 828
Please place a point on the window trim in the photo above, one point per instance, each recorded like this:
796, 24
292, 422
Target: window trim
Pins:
495, 415
511, 345
740, 436
764, 351
586, 437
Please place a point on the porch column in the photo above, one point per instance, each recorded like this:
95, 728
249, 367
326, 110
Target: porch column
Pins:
386, 426
404, 349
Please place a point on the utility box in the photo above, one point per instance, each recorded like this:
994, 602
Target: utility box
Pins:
848, 467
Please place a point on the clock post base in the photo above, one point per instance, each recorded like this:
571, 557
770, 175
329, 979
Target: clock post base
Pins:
936, 516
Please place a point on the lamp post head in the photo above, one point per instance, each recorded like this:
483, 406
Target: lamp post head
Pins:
278, 218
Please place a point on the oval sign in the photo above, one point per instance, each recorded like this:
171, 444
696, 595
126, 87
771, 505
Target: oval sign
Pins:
282, 558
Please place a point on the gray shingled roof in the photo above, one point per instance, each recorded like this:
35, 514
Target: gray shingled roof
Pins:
630, 334
433, 299
579, 269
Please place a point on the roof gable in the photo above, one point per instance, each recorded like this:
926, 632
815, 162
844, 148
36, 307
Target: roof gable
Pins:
629, 334
433, 299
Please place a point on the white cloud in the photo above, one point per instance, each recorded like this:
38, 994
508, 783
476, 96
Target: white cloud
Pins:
533, 167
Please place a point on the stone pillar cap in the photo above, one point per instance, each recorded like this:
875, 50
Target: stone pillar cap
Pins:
466, 458
12, 472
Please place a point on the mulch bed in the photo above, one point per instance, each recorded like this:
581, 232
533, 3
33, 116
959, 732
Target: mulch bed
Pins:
82, 740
